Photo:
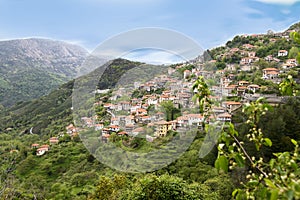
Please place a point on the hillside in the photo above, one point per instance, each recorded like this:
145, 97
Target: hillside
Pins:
30, 68
69, 171
40, 113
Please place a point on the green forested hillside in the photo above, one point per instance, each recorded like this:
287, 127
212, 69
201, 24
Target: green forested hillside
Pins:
69, 171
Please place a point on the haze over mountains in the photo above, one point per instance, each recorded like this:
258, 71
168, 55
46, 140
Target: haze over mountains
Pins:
31, 68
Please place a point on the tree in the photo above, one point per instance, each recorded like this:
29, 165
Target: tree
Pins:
296, 37
293, 53
202, 95
288, 87
168, 187
171, 112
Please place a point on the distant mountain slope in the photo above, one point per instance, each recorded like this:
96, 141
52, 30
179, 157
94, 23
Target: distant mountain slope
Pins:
30, 68
55, 108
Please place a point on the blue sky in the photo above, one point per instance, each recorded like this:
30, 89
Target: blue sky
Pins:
89, 22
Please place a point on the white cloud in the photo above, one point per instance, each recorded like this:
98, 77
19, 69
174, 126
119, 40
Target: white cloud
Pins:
280, 2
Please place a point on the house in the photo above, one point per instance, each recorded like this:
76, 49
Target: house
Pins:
98, 127
42, 150
114, 128
182, 121
141, 111
287, 66
129, 128
218, 110
129, 119
115, 121
123, 133
224, 82
194, 119
105, 137
71, 129
224, 117
34, 146
146, 119
248, 60
162, 128
231, 105
248, 46
109, 106
134, 108
269, 58
135, 101
152, 100
234, 50
124, 105
137, 131
105, 131
253, 88
229, 90
243, 83
292, 61
54, 140
282, 53
270, 73
241, 90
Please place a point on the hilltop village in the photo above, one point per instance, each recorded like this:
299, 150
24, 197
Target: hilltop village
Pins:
245, 69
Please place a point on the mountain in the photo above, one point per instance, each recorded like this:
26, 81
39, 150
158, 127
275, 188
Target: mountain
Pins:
56, 106
30, 68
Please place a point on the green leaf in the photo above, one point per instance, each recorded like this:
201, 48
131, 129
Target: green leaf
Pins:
294, 142
272, 162
221, 164
239, 160
290, 195
269, 183
267, 142
274, 195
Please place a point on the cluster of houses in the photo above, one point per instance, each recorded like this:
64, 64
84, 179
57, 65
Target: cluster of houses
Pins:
139, 115
136, 116
71, 130
42, 149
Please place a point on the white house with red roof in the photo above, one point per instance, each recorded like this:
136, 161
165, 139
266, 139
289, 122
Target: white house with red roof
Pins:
42, 150
224, 117
253, 87
53, 140
282, 53
270, 73
231, 105
114, 128
248, 46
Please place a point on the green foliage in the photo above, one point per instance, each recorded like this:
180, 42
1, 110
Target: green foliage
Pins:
187, 67
296, 37
171, 112
288, 87
202, 95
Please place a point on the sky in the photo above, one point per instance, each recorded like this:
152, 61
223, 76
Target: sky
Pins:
90, 22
